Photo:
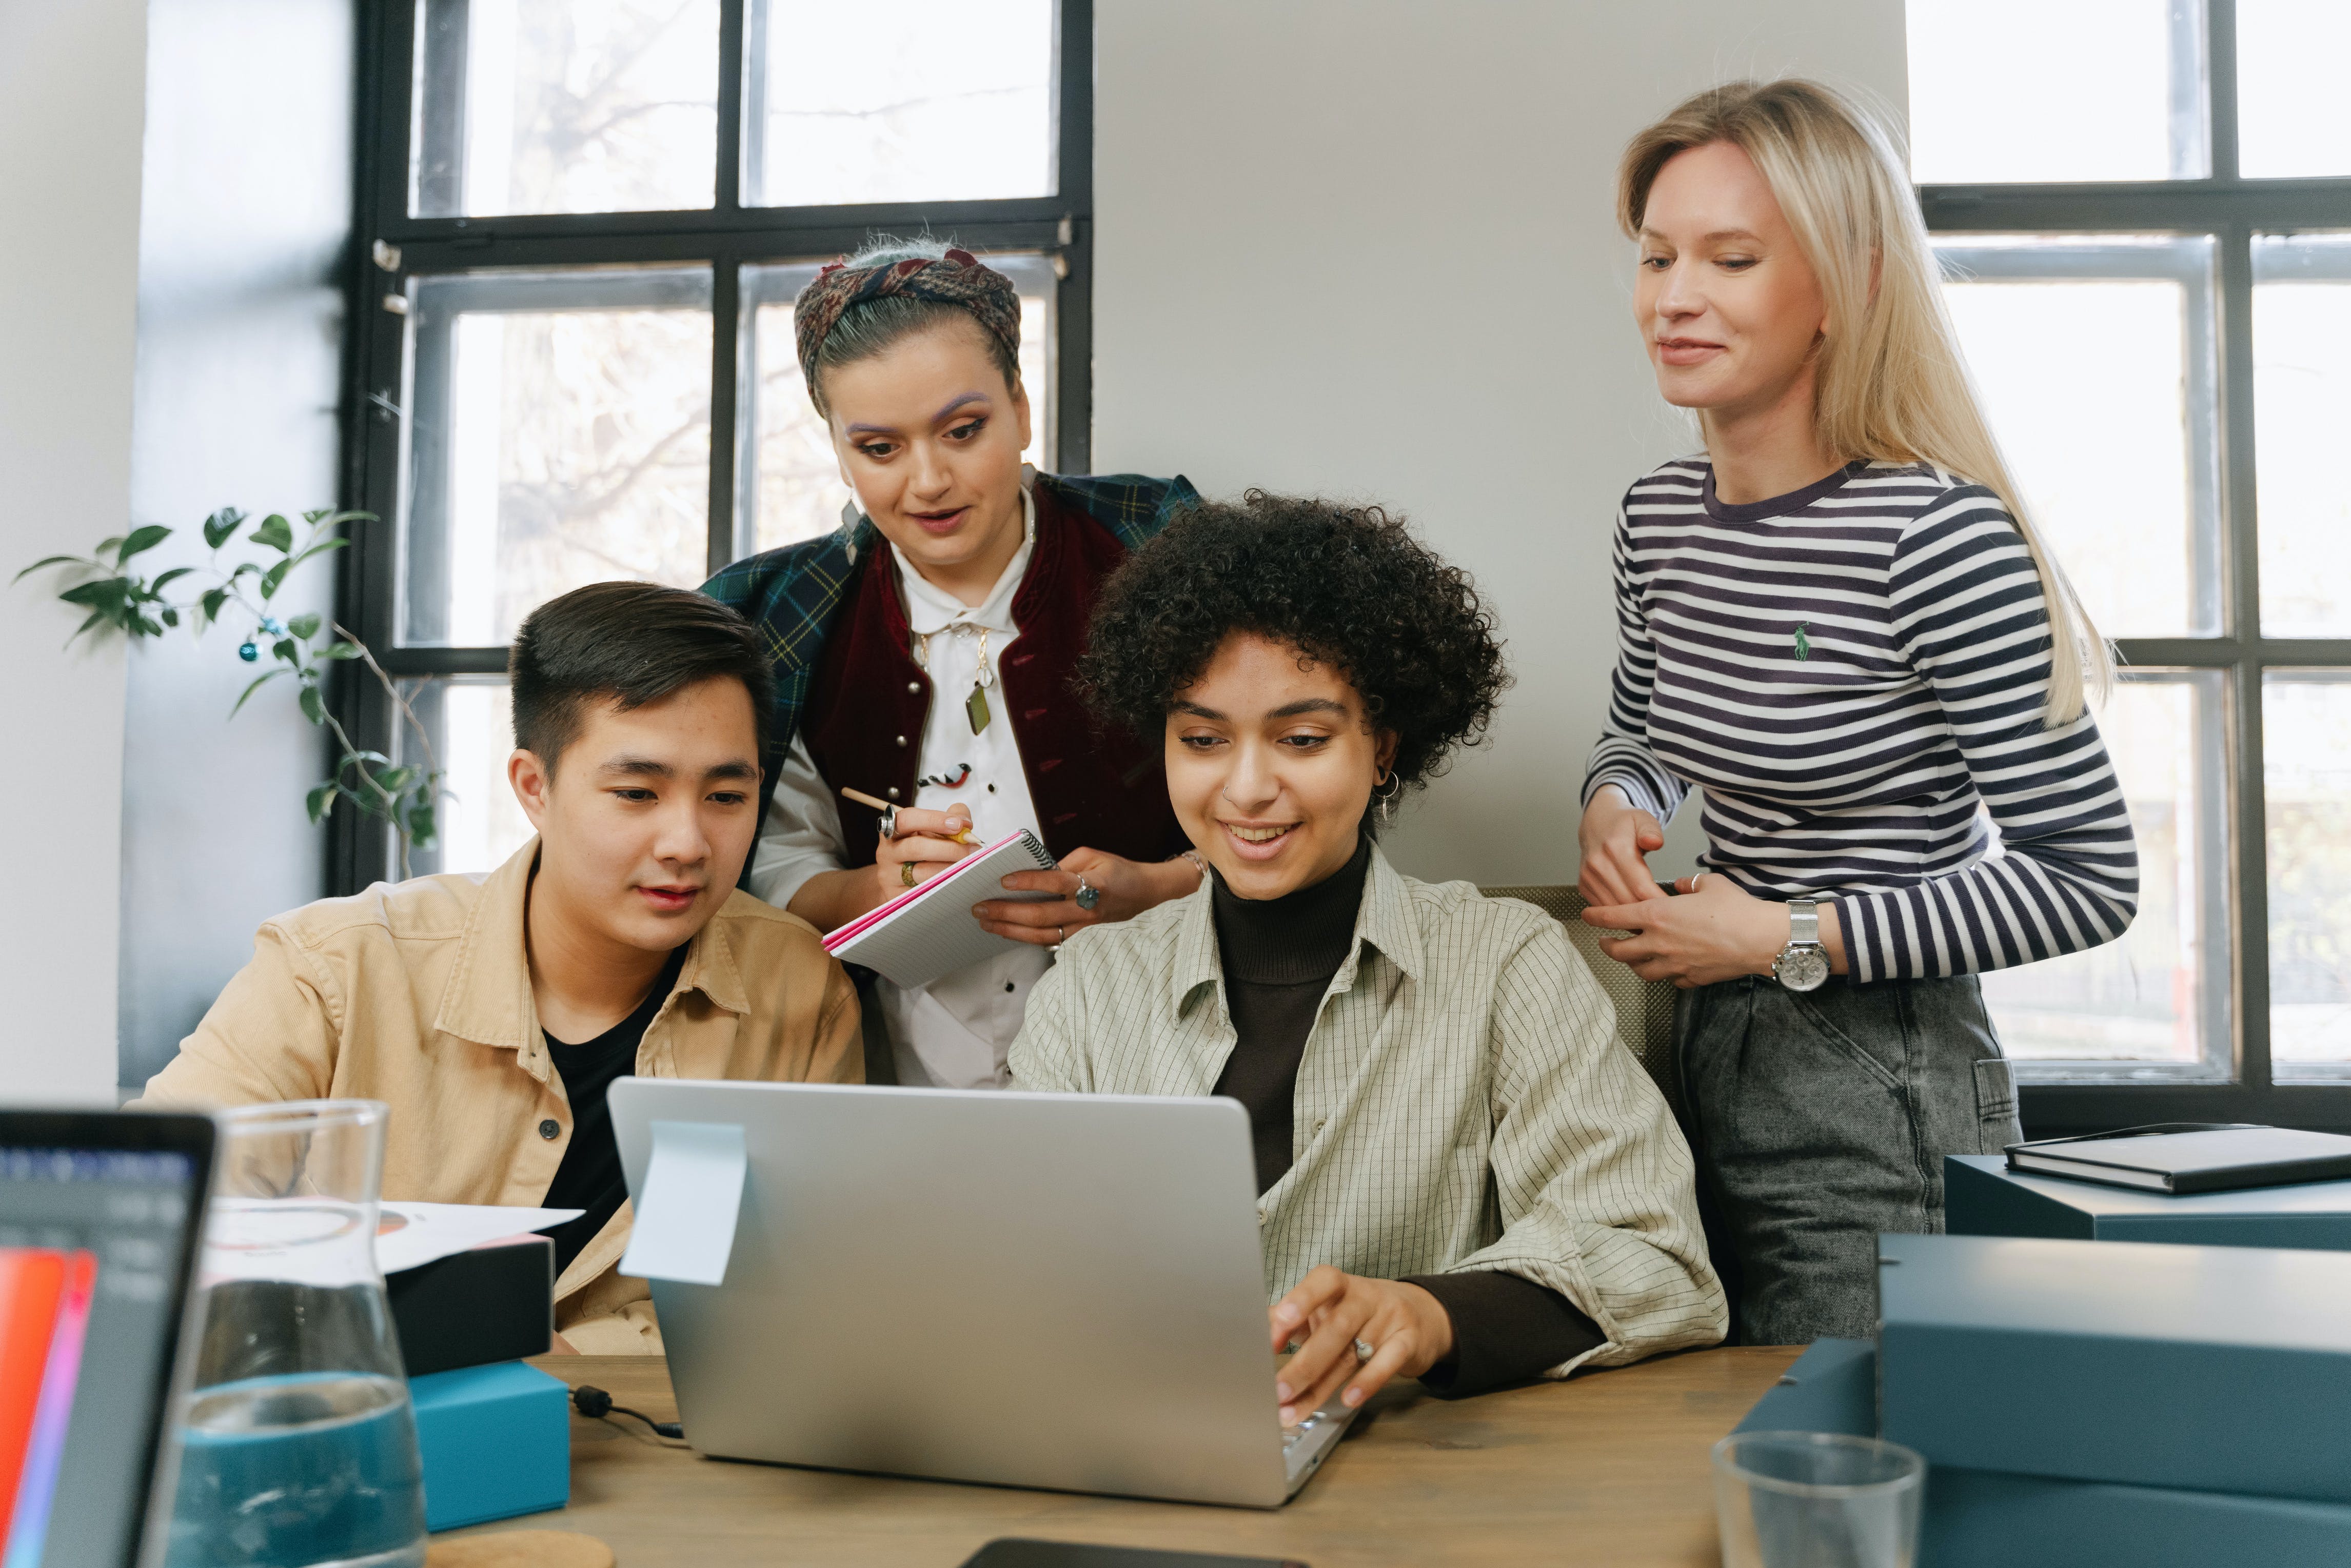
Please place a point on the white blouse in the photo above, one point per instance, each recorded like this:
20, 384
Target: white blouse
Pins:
952, 1033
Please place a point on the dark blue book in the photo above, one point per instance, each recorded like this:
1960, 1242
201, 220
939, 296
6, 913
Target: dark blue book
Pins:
2190, 1156
2205, 1368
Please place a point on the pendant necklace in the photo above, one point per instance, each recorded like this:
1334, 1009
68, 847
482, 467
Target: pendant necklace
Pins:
975, 706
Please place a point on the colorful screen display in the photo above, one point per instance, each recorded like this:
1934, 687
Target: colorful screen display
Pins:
44, 1322
91, 1245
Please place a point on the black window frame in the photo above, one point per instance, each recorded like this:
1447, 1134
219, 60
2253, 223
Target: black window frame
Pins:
391, 246
2232, 210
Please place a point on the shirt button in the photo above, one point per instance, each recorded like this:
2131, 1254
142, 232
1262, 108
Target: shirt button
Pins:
902, 740
891, 791
550, 1129
914, 686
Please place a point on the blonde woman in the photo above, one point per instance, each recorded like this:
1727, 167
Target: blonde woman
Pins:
1838, 621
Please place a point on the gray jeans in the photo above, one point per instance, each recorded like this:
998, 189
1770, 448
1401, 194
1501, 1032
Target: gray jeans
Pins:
1819, 1120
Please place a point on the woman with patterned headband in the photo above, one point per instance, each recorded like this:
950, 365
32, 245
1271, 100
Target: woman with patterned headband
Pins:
923, 654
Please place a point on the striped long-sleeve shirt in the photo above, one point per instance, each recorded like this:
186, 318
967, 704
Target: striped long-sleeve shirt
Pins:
1854, 675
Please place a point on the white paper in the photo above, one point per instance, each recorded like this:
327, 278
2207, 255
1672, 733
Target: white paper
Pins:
408, 1234
685, 1215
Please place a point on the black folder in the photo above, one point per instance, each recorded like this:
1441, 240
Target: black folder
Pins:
2190, 1156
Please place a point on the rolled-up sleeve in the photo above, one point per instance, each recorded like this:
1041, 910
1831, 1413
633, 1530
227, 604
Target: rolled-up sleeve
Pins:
271, 1035
1596, 1185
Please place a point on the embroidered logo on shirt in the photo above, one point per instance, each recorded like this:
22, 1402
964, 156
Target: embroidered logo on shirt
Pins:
1803, 644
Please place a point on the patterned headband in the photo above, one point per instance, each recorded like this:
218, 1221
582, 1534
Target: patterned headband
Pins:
957, 278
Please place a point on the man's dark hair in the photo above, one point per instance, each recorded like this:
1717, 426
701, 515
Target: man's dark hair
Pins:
1347, 586
627, 644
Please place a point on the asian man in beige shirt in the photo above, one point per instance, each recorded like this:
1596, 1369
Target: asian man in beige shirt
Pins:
491, 1012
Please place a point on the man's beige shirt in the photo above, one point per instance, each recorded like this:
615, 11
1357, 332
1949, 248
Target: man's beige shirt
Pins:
1463, 1103
418, 994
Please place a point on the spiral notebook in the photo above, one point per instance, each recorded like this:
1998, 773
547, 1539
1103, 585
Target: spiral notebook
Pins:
928, 930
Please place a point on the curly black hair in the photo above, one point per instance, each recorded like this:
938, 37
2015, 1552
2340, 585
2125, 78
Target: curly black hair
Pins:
1347, 586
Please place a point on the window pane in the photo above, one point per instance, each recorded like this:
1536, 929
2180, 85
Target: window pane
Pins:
564, 106
559, 435
2290, 56
2302, 406
468, 732
2023, 90
2137, 529
921, 101
2153, 1003
2306, 749
791, 487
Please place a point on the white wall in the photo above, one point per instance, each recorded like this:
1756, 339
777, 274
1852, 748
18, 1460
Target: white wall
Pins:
71, 80
1364, 247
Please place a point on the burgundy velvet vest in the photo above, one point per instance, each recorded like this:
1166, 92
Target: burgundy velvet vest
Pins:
867, 704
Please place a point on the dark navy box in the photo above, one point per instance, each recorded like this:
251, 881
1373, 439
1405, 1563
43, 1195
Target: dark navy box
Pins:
1988, 1519
2207, 1368
1983, 1198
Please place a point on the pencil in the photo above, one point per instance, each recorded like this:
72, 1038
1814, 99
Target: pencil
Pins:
863, 799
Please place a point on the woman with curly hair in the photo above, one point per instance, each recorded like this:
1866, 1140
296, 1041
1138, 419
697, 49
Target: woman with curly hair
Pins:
1463, 1176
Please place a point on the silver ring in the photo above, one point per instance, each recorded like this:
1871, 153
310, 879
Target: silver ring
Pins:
1362, 1350
1086, 897
889, 821
1062, 932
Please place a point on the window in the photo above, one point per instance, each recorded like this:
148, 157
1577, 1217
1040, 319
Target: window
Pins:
2143, 210
572, 354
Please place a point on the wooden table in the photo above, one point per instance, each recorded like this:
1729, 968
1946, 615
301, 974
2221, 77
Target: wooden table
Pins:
1606, 1468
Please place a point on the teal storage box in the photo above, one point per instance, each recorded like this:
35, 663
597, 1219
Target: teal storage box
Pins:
1983, 1198
1985, 1519
2204, 1368
1831, 1387
496, 1442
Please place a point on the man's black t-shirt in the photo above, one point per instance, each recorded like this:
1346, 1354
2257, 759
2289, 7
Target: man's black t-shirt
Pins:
589, 1176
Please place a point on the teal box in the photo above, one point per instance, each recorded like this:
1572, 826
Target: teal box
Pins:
1983, 1198
496, 1442
2223, 1369
1990, 1518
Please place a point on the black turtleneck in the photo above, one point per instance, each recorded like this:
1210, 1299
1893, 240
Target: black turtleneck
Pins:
1279, 955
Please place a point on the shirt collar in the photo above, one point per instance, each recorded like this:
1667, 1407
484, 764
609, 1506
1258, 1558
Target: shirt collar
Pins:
1382, 921
929, 609
488, 998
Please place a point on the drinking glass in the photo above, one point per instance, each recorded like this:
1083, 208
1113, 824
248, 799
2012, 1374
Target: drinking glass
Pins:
1817, 1500
298, 1446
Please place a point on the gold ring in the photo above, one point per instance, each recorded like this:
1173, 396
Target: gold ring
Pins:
906, 874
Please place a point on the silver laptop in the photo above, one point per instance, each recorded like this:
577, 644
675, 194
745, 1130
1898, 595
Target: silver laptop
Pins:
1028, 1290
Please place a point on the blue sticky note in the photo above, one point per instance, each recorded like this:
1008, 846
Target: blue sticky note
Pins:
685, 1226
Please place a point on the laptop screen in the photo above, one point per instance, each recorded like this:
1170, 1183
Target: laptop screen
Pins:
98, 1218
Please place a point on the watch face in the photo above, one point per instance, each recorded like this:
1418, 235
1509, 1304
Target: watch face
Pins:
1801, 968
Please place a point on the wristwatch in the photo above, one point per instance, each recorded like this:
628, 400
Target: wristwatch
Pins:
1804, 963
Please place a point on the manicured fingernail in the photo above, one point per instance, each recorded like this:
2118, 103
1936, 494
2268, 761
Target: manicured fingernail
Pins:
1352, 1398
1282, 1391
1286, 1312
1288, 1415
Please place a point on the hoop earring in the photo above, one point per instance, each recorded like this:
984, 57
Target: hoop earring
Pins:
1384, 789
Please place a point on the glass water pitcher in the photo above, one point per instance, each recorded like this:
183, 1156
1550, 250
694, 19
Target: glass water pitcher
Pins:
298, 1446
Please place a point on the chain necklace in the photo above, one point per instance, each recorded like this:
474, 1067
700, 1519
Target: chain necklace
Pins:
975, 706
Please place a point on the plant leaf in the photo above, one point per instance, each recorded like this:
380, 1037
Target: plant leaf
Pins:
396, 780
212, 601
304, 626
171, 617
421, 830
260, 682
107, 545
95, 617
321, 548
109, 594
141, 541
285, 648
341, 651
275, 533
52, 560
274, 576
321, 799
221, 526
313, 706
365, 757
169, 577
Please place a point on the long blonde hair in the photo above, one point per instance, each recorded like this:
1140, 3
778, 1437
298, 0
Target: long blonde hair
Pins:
1892, 383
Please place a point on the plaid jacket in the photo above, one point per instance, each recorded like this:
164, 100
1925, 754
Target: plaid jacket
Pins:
794, 595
